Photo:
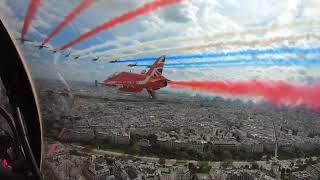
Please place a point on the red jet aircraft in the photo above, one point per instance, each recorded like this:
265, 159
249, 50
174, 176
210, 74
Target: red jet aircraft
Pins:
150, 80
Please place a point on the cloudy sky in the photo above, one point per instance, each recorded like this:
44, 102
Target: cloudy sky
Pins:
163, 29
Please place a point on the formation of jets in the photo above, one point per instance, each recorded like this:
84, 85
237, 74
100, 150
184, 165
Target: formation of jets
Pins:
95, 59
133, 65
69, 54
23, 40
54, 51
150, 79
41, 46
76, 57
113, 61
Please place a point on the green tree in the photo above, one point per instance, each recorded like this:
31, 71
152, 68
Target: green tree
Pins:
204, 167
209, 156
254, 165
226, 163
135, 150
227, 155
124, 157
192, 168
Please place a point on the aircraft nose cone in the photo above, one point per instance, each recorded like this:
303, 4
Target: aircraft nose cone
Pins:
107, 81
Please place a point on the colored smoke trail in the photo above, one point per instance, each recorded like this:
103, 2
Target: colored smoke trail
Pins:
243, 62
4, 164
32, 9
71, 16
251, 52
277, 92
196, 38
252, 44
52, 149
146, 8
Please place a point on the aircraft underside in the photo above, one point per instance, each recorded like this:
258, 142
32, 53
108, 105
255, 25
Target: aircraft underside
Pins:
131, 89
151, 92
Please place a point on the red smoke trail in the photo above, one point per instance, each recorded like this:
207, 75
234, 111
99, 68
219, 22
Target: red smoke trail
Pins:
4, 164
146, 8
72, 15
32, 9
277, 92
52, 149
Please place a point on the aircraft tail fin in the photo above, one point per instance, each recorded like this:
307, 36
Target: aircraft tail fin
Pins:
157, 67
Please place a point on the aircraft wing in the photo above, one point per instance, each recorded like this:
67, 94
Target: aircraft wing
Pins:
123, 78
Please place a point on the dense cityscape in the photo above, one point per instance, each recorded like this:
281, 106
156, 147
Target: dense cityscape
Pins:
95, 132
160, 90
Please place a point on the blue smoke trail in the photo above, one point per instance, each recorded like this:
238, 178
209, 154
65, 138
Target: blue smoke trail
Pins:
245, 62
228, 54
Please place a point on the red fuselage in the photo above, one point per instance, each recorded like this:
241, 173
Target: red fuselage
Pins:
150, 80
131, 82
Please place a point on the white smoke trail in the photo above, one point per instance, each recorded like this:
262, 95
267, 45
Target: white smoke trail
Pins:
56, 57
117, 43
254, 44
64, 82
195, 38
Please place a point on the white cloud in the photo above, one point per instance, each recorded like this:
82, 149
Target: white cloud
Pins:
7, 15
200, 18
189, 19
311, 9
